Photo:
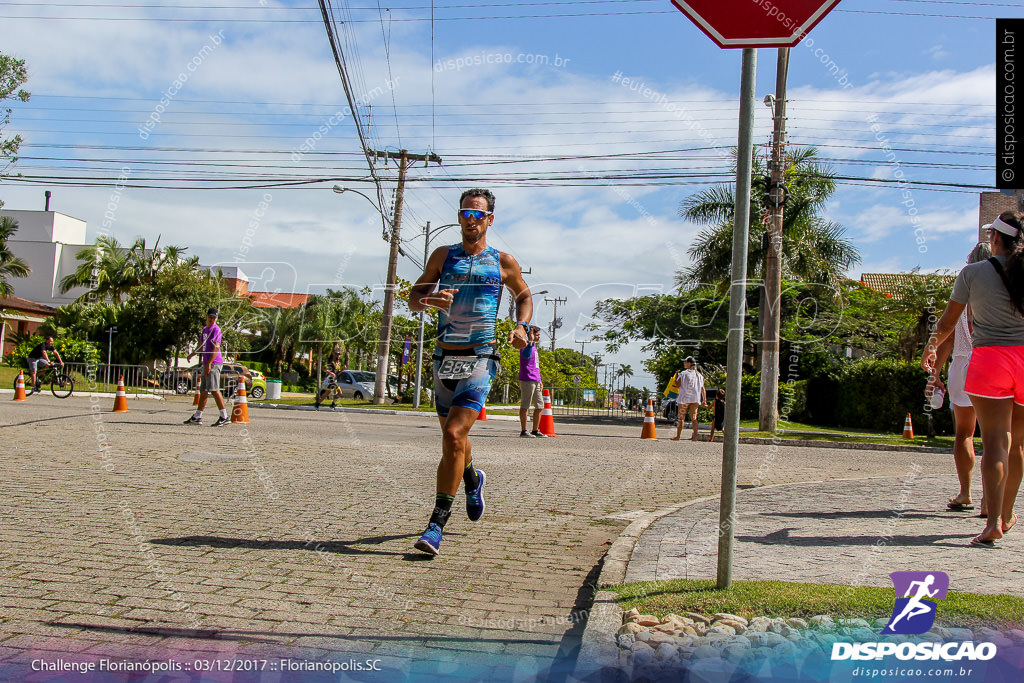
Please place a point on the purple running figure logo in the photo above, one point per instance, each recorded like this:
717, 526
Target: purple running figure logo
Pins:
916, 592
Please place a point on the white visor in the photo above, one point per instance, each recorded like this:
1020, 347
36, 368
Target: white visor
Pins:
1004, 228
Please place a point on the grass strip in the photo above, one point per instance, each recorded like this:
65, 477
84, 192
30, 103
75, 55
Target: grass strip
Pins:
785, 599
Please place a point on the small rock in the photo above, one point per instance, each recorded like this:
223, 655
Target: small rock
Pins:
631, 615
648, 620
760, 624
784, 649
666, 628
756, 638
880, 623
985, 633
723, 616
864, 634
659, 637
698, 618
736, 626
690, 631
643, 636
665, 651
931, 637
734, 653
1016, 635
961, 634
1001, 642
642, 656
940, 631
855, 623
629, 629
796, 623
705, 652
773, 640
685, 641
722, 629
625, 642
675, 618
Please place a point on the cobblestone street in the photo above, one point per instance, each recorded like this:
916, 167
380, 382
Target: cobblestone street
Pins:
132, 535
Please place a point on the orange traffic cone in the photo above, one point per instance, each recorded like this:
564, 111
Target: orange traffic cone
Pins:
120, 400
240, 410
908, 428
547, 418
483, 414
19, 388
648, 431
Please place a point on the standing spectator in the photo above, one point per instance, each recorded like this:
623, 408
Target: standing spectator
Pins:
994, 290
212, 362
964, 418
531, 388
718, 423
691, 396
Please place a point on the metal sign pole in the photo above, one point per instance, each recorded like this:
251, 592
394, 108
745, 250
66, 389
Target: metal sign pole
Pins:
737, 311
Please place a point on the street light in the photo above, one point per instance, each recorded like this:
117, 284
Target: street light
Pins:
384, 342
419, 348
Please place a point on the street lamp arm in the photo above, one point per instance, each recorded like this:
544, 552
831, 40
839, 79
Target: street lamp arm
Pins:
341, 190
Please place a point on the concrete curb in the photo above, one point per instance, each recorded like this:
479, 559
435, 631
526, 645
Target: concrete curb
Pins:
373, 411
86, 394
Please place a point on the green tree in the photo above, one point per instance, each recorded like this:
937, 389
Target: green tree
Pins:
11, 266
12, 75
110, 270
813, 249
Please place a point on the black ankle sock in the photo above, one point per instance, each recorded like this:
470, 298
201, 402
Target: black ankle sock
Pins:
470, 477
442, 509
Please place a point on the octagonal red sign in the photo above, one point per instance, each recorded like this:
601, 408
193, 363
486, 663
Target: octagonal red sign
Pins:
755, 23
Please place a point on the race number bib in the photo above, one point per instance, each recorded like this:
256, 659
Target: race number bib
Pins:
457, 367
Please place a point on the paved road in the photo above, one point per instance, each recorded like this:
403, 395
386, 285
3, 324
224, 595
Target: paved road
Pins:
124, 533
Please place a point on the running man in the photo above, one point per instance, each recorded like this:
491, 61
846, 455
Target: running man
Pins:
212, 362
39, 359
915, 607
465, 281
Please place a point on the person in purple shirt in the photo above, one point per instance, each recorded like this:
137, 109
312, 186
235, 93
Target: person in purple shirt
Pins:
531, 388
212, 361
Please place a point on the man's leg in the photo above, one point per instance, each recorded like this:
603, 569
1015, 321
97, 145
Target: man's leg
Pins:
680, 419
536, 418
995, 415
963, 451
693, 418
523, 410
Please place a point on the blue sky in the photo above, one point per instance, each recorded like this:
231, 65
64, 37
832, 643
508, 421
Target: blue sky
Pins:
532, 103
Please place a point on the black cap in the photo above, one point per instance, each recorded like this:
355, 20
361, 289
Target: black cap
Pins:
213, 312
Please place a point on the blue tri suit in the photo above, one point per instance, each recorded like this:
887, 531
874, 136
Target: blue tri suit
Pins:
470, 320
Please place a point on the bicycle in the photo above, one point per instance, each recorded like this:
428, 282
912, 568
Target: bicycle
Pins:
61, 383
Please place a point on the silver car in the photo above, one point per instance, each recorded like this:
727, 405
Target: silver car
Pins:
358, 384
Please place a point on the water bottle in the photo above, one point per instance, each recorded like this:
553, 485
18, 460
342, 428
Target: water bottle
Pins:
937, 396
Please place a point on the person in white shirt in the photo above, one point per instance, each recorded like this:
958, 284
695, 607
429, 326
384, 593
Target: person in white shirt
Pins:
691, 396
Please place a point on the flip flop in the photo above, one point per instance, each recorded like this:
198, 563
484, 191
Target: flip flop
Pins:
977, 542
1012, 524
959, 507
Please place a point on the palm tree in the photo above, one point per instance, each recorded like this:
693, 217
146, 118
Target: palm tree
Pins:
10, 265
110, 270
813, 248
624, 372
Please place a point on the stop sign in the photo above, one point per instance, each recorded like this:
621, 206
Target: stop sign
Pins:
755, 23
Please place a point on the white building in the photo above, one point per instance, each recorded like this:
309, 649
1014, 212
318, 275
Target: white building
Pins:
48, 242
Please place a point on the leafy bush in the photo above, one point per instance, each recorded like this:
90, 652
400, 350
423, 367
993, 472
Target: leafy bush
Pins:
750, 407
70, 350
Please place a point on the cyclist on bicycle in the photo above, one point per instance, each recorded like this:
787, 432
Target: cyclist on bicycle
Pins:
38, 358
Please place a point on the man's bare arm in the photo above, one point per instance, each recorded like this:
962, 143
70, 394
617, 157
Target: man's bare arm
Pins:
512, 275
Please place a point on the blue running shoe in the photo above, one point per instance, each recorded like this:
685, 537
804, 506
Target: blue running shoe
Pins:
475, 499
430, 541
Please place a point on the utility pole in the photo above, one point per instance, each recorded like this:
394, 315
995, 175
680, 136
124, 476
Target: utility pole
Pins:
583, 345
771, 305
384, 343
419, 337
556, 322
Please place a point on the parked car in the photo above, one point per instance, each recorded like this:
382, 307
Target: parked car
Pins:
358, 384
184, 380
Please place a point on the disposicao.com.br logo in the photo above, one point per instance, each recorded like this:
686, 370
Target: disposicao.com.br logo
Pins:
913, 614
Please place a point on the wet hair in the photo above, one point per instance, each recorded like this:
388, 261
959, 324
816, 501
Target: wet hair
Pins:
721, 393
981, 252
478, 192
1014, 247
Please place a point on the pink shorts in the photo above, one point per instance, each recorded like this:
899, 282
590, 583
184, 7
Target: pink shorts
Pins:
996, 372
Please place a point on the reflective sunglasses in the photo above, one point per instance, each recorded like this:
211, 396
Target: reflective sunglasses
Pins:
474, 214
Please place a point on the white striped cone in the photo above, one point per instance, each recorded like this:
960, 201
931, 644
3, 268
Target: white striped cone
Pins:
240, 409
19, 388
648, 431
547, 418
120, 399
